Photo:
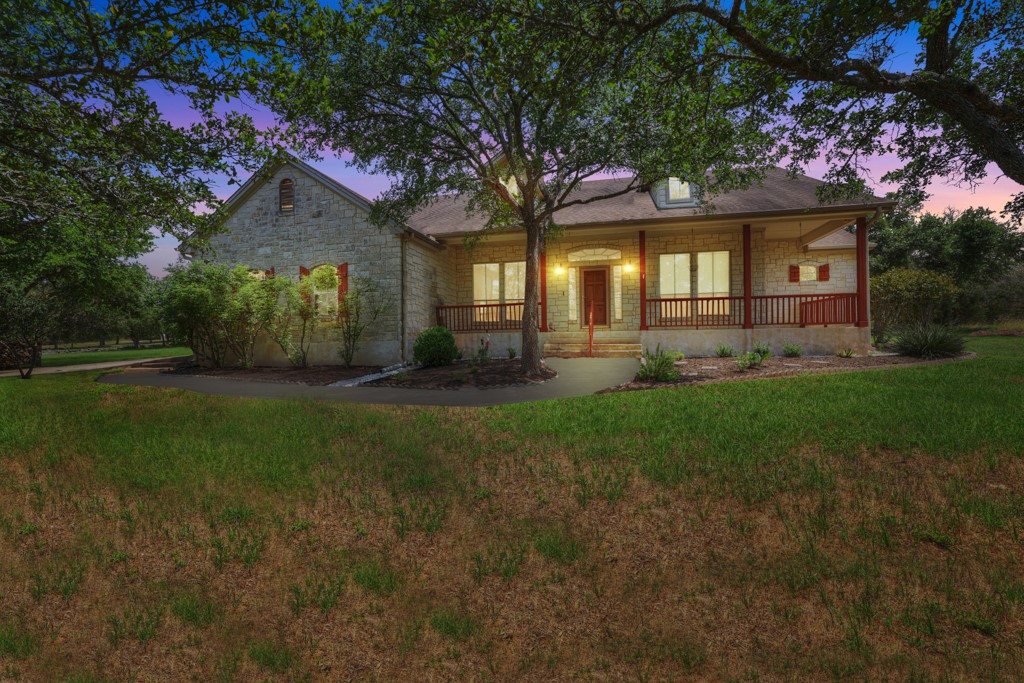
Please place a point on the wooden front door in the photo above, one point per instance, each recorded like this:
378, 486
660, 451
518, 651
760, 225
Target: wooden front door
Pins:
595, 290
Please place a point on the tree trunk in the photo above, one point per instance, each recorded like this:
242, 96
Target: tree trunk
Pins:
531, 337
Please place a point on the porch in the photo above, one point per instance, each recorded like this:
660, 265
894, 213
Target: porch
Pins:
688, 291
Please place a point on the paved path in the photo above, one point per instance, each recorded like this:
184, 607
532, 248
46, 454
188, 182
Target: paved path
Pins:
83, 367
576, 377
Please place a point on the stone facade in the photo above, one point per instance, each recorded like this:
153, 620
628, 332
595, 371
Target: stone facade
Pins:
324, 228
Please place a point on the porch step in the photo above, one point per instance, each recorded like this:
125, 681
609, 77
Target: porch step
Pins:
602, 349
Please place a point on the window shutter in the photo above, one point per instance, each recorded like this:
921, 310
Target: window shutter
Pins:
270, 273
342, 281
303, 272
823, 273
794, 273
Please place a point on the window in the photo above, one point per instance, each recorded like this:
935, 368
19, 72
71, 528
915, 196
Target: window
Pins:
324, 287
678, 191
713, 280
674, 283
808, 273
617, 291
515, 289
486, 290
574, 314
286, 196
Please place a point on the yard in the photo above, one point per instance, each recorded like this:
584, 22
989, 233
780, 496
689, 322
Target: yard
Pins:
845, 526
75, 358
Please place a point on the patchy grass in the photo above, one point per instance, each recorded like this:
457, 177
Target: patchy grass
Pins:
75, 358
860, 526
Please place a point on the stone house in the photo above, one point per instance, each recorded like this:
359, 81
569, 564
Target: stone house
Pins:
770, 263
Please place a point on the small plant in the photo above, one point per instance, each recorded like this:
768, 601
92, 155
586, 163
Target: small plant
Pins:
746, 361
763, 350
679, 355
194, 610
511, 353
845, 353
559, 546
453, 625
375, 578
725, 351
657, 366
929, 341
435, 346
271, 656
792, 350
483, 354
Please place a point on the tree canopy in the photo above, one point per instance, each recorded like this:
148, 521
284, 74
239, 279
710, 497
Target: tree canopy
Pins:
938, 84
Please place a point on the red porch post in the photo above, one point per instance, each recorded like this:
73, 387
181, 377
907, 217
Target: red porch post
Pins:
748, 315
543, 291
862, 272
643, 280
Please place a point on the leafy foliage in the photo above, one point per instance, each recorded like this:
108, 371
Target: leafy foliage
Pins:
658, 366
929, 341
724, 351
435, 346
905, 296
363, 304
792, 350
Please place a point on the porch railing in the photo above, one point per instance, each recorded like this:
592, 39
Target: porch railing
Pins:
727, 311
482, 317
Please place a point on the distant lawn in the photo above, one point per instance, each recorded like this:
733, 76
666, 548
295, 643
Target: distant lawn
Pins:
865, 526
55, 359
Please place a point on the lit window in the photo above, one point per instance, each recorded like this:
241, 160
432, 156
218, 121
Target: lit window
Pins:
617, 291
573, 301
515, 289
486, 290
674, 283
713, 280
286, 195
678, 190
808, 273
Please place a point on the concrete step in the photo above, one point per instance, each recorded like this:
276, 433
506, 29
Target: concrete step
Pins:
602, 349
576, 346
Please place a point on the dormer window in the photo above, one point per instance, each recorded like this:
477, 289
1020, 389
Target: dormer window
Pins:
673, 193
286, 196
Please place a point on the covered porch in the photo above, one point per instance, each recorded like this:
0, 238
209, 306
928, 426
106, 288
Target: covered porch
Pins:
688, 288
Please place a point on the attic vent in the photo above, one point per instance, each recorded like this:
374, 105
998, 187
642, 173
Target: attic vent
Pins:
286, 196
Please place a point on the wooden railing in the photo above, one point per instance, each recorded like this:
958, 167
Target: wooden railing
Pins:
727, 311
481, 317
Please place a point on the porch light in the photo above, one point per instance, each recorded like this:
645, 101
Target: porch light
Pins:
628, 268
559, 270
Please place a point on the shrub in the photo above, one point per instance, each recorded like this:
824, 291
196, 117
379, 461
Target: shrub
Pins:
511, 353
435, 346
907, 296
746, 361
792, 350
929, 341
845, 353
658, 366
725, 351
763, 350
361, 306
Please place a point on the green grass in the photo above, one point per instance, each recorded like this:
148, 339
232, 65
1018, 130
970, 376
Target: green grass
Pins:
870, 524
59, 359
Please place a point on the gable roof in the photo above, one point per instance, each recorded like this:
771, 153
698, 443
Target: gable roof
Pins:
779, 193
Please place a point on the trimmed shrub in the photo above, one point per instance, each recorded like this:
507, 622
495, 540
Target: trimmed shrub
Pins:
792, 350
725, 351
658, 366
929, 341
903, 297
435, 346
763, 350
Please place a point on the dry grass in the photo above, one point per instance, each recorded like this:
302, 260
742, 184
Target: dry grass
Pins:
448, 544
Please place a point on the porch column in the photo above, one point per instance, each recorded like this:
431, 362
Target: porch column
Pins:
862, 272
643, 279
748, 316
543, 291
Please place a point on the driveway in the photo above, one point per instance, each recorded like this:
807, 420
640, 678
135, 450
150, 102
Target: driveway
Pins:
576, 377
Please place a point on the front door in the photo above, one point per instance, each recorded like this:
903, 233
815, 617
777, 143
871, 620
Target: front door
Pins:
595, 291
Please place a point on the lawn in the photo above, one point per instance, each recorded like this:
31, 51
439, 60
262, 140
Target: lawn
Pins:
54, 359
863, 526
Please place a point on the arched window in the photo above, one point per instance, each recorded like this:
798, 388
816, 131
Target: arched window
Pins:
286, 196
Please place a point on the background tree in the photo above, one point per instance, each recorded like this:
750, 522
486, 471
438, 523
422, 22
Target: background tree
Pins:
28, 320
467, 97
940, 84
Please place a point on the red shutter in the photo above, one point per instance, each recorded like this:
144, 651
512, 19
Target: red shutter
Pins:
303, 272
794, 273
823, 273
270, 273
342, 281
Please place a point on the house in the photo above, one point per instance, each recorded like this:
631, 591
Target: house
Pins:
770, 263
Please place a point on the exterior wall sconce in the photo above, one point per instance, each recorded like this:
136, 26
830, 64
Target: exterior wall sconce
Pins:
559, 270
628, 268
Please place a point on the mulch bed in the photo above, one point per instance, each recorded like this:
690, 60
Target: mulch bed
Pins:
490, 374
717, 370
316, 375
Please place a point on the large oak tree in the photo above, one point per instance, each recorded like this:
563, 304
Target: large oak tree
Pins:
483, 98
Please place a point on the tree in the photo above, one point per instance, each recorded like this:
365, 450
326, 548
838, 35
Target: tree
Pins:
969, 246
28, 320
465, 97
903, 297
954, 107
295, 320
88, 161
360, 307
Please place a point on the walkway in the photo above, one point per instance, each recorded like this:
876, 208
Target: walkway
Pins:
576, 377
84, 367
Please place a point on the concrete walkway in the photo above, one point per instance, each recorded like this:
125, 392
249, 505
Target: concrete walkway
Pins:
84, 367
576, 377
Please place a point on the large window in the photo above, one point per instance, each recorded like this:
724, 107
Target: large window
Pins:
486, 290
713, 280
489, 287
515, 289
674, 283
